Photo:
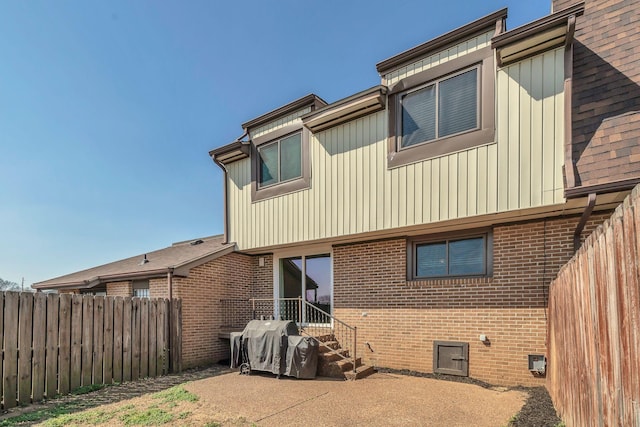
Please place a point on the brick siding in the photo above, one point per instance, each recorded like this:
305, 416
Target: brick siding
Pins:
223, 278
401, 319
120, 289
606, 91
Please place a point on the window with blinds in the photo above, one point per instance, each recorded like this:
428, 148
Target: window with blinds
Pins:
440, 109
455, 257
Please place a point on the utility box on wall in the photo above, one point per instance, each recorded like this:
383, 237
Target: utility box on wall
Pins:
537, 364
451, 358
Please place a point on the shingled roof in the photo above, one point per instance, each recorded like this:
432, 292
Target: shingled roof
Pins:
178, 258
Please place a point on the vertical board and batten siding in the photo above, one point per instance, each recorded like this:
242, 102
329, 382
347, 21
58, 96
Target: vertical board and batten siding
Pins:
455, 51
53, 344
280, 123
593, 333
352, 190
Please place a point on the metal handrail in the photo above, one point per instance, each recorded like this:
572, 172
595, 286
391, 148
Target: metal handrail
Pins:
305, 312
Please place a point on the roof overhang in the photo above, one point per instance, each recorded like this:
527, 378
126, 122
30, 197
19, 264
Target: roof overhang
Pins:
538, 36
350, 108
230, 153
311, 100
486, 23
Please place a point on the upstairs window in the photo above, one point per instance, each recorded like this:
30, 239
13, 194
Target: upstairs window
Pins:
458, 256
439, 109
280, 161
447, 108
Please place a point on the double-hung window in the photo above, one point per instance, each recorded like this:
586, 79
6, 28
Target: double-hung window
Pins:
459, 256
280, 160
440, 108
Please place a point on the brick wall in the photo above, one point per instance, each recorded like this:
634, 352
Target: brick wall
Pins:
226, 277
120, 289
606, 91
262, 277
404, 318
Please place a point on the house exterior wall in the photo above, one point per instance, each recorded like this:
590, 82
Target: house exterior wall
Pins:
119, 289
403, 318
606, 91
352, 190
227, 277
465, 47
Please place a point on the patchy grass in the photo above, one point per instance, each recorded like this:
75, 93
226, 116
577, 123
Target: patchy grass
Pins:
175, 394
88, 388
42, 414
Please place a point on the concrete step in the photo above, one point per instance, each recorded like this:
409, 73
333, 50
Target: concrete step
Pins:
362, 371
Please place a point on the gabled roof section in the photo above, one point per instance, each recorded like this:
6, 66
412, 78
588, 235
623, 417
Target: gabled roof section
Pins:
349, 108
311, 100
178, 258
543, 34
494, 20
229, 153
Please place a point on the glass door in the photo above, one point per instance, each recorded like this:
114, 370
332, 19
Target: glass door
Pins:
308, 277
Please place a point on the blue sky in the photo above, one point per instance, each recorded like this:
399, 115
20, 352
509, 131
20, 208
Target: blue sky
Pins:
108, 109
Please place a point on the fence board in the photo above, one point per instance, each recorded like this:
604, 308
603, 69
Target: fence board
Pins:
176, 330
53, 315
56, 343
153, 331
126, 340
160, 337
39, 345
144, 337
25, 338
135, 339
98, 339
10, 371
76, 342
594, 322
64, 361
107, 360
117, 339
87, 339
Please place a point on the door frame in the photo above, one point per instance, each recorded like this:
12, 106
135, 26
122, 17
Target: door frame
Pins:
301, 251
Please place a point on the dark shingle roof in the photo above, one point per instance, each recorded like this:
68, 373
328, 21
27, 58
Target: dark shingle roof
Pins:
179, 258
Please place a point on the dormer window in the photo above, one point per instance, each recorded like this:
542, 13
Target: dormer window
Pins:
280, 160
447, 108
439, 109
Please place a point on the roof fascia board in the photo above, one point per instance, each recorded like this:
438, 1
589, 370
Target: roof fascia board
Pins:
541, 25
346, 109
310, 100
477, 26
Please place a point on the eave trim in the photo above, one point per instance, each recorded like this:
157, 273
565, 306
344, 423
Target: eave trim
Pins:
312, 100
485, 23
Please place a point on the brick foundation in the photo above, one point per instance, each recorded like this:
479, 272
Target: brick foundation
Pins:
404, 318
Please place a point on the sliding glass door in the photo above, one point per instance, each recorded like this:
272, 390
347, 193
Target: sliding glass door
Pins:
308, 277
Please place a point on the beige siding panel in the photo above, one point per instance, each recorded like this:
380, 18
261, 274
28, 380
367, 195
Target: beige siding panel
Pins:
548, 124
466, 46
502, 118
559, 128
463, 182
353, 191
472, 182
525, 136
514, 138
280, 123
536, 133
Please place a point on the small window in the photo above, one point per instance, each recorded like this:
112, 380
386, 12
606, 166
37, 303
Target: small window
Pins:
281, 160
442, 108
453, 257
141, 288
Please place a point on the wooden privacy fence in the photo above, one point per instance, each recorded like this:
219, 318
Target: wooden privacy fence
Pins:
52, 344
594, 326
